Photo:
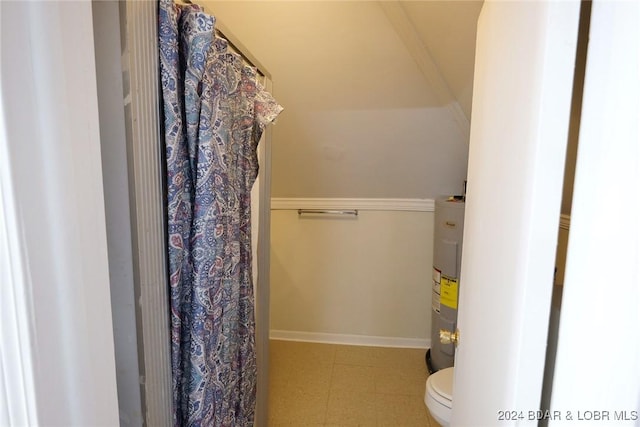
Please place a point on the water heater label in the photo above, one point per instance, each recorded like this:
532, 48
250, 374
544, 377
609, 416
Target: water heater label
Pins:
436, 275
449, 292
435, 295
435, 302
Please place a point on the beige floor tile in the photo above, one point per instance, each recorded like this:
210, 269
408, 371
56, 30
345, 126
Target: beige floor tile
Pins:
298, 410
347, 408
303, 353
270, 424
366, 424
353, 379
432, 421
399, 410
352, 425
399, 381
284, 396
309, 379
339, 385
277, 378
415, 361
357, 355
407, 360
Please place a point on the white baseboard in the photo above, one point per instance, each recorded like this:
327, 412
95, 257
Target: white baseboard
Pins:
363, 340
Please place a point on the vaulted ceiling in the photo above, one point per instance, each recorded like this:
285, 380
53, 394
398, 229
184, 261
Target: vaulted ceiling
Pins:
377, 94
448, 32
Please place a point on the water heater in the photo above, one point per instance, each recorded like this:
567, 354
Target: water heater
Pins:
447, 257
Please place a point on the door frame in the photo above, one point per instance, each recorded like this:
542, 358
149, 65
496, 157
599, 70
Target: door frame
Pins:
525, 58
599, 333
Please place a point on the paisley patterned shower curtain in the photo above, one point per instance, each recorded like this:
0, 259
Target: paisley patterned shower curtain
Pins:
214, 114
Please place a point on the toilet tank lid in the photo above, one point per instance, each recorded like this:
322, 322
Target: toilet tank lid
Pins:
442, 382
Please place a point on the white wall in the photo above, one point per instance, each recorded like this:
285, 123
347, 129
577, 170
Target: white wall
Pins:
51, 114
358, 280
360, 118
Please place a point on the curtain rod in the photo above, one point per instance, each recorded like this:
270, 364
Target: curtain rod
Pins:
234, 42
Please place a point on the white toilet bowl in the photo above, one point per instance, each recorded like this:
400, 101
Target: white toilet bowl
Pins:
438, 394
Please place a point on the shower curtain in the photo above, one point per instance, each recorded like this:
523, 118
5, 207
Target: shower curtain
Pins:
214, 114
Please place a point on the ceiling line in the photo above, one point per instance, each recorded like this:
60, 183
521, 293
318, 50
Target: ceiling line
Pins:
420, 53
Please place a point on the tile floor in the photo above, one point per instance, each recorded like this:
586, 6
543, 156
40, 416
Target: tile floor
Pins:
340, 385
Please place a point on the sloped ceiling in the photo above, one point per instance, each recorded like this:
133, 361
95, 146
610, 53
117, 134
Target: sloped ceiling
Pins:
366, 107
448, 31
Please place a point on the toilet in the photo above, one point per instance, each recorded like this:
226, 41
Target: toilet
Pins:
438, 395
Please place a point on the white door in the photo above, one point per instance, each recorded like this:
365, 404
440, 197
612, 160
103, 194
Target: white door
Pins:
520, 119
57, 354
597, 373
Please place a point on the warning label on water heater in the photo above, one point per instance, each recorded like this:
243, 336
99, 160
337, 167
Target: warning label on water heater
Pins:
435, 295
449, 292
